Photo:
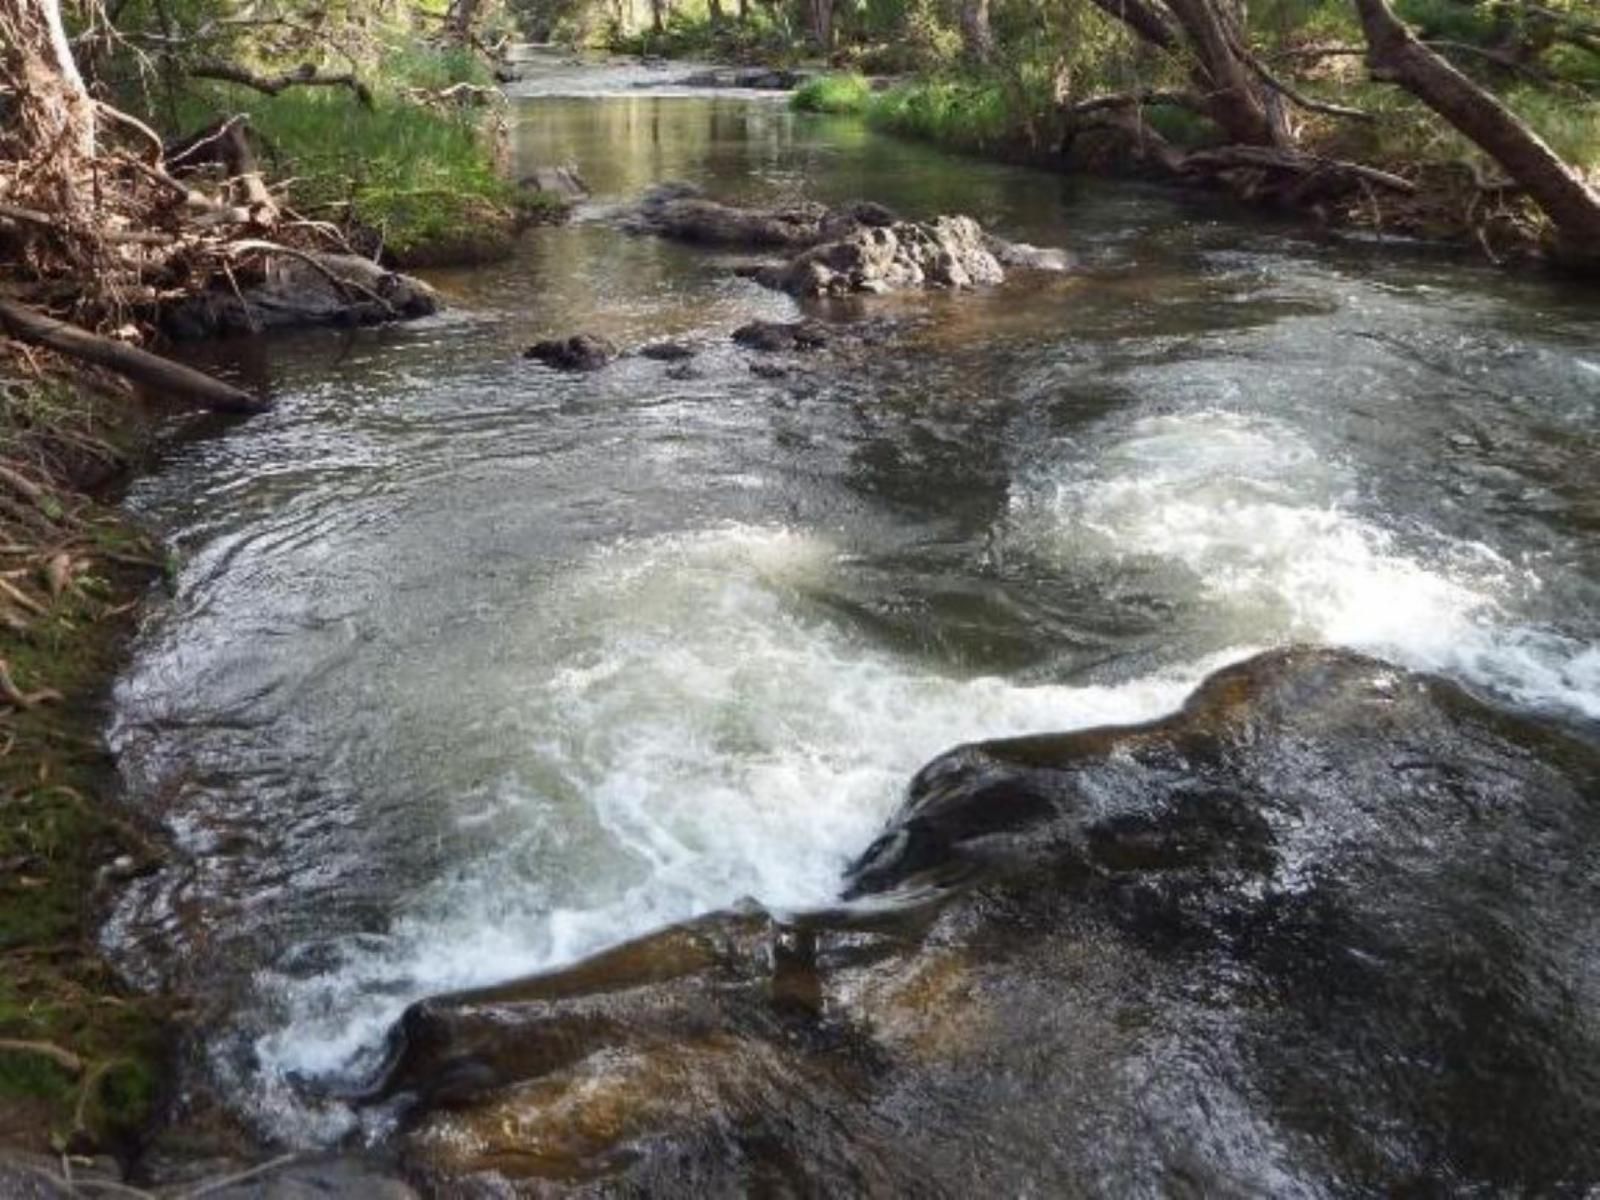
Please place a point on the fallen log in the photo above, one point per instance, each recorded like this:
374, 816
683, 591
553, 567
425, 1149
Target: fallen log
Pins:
161, 374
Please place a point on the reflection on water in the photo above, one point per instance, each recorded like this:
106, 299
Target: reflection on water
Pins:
473, 667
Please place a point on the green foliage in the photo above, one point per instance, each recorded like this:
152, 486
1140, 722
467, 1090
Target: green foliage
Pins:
973, 113
838, 94
417, 174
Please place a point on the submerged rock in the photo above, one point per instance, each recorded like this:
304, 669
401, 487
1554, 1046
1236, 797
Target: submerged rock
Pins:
778, 336
296, 292
581, 352
1330, 929
667, 351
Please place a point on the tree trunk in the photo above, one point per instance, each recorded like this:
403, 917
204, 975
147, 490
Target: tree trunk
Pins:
714, 12
1235, 98
1245, 108
52, 114
1395, 56
822, 24
976, 36
460, 19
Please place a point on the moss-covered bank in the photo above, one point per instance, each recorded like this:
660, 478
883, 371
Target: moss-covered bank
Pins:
80, 1055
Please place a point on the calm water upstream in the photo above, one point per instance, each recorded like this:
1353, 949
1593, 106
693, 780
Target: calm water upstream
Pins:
472, 667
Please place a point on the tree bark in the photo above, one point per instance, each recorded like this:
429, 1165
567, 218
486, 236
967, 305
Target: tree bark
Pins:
53, 114
976, 36
1395, 56
822, 24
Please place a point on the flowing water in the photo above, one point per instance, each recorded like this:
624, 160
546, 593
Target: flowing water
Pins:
472, 667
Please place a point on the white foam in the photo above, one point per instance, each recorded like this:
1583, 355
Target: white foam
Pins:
702, 736
1268, 535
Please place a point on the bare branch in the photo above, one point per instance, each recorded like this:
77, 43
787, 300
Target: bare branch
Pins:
305, 75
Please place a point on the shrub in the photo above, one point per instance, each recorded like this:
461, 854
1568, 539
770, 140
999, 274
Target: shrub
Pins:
839, 94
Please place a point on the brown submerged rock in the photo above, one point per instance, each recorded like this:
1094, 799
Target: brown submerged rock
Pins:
1331, 928
581, 352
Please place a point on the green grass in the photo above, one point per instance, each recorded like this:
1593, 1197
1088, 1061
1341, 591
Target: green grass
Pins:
844, 95
418, 176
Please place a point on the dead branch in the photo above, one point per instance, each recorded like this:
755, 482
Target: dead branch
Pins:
161, 374
305, 75
65, 1059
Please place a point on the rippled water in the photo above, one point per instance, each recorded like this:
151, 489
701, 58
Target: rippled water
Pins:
472, 667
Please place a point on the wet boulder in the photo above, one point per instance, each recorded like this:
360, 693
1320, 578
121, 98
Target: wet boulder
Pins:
681, 212
580, 352
301, 291
1329, 929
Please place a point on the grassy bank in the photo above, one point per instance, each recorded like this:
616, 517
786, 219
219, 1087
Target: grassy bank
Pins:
79, 1056
418, 176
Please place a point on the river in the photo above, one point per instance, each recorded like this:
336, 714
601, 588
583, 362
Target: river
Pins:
470, 667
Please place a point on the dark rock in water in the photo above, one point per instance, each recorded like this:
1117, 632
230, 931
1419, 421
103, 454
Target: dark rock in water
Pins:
667, 351
1331, 929
778, 336
769, 370
581, 352
332, 289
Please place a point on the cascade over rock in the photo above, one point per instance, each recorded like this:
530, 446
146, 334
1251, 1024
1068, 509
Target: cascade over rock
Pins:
1249, 948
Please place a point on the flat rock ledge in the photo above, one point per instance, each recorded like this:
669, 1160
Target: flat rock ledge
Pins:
848, 249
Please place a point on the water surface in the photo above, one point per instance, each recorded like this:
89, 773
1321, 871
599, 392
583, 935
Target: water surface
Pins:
472, 667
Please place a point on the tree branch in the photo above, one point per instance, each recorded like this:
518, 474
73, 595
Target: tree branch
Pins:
304, 75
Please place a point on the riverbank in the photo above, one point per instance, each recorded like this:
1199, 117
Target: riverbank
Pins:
1379, 176
81, 1057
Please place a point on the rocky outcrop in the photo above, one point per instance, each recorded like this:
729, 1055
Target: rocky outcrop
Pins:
580, 352
1330, 929
948, 252
860, 247
303, 291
